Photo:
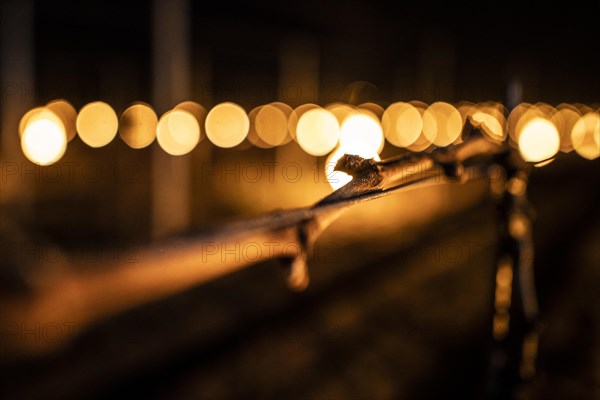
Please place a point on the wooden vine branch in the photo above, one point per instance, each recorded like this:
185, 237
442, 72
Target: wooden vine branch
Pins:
83, 294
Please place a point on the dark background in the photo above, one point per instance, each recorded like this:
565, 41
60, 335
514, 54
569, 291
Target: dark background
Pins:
378, 321
472, 51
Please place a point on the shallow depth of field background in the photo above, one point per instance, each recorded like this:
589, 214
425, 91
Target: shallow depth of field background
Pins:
401, 295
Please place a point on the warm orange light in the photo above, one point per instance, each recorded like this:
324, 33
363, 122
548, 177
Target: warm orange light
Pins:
521, 116
271, 124
546, 109
583, 108
341, 111
253, 137
227, 125
361, 134
97, 124
373, 108
337, 179
586, 136
296, 115
137, 126
287, 110
177, 132
43, 139
513, 119
442, 124
67, 114
28, 116
317, 132
402, 124
491, 125
538, 140
466, 109
565, 119
422, 143
196, 110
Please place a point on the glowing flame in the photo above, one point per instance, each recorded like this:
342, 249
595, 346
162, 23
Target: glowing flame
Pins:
43, 139
538, 140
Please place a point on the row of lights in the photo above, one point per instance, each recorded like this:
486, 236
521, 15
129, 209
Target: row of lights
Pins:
538, 130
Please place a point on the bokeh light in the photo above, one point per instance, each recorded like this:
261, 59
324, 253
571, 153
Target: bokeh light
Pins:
513, 119
546, 109
341, 111
491, 117
294, 117
178, 132
271, 124
583, 108
317, 132
252, 136
491, 125
564, 120
67, 114
521, 116
227, 125
196, 110
585, 136
373, 108
97, 124
422, 143
361, 130
442, 124
361, 134
287, 110
43, 139
137, 126
538, 140
466, 109
402, 124
28, 116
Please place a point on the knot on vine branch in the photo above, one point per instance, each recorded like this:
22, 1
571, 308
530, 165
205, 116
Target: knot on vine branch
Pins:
365, 170
356, 165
